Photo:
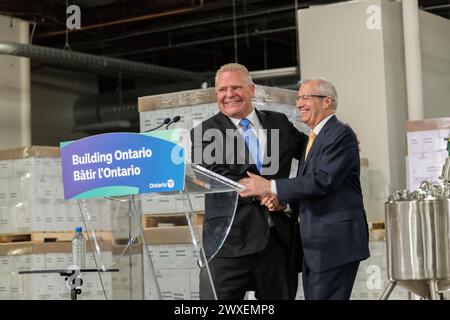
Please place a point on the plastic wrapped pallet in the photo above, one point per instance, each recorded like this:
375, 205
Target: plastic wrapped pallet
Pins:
128, 283
31, 194
27, 256
175, 260
195, 106
426, 150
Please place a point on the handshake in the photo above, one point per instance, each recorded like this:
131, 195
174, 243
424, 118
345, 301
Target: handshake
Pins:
261, 188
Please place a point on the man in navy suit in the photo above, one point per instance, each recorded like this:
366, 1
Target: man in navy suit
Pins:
327, 194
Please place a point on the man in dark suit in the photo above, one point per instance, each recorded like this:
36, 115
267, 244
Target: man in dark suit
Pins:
327, 194
261, 250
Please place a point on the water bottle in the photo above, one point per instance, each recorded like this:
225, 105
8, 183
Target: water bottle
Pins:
79, 248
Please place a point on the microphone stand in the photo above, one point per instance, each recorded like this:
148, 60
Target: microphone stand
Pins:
166, 121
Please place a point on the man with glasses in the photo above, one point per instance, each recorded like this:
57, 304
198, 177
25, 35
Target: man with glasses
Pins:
327, 195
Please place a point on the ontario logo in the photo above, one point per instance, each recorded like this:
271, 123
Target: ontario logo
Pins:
169, 184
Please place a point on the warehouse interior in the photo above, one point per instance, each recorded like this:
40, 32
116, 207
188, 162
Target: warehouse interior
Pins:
129, 65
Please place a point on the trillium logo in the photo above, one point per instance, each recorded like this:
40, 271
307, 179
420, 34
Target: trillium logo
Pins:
170, 183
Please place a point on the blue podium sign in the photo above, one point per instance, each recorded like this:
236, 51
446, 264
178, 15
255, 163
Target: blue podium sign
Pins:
116, 164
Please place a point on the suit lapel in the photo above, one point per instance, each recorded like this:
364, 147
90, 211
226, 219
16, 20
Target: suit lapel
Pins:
267, 125
262, 116
322, 136
224, 122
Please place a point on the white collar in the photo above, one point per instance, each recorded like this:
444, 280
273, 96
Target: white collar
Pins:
321, 124
252, 117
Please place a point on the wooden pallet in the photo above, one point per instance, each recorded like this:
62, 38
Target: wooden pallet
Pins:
172, 220
377, 225
40, 237
377, 230
124, 241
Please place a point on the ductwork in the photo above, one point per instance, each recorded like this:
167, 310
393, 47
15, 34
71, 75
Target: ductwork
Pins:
77, 60
106, 113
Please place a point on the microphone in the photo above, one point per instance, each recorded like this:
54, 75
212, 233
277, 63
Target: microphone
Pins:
174, 120
166, 121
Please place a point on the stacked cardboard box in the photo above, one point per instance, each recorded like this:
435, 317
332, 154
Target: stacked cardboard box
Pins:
32, 203
195, 106
16, 257
128, 283
175, 261
426, 150
31, 194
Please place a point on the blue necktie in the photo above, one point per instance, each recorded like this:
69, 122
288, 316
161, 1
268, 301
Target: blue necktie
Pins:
252, 142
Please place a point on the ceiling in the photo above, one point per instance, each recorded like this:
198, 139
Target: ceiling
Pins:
194, 35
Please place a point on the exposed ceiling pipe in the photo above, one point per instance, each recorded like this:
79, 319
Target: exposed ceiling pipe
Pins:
439, 7
116, 22
83, 61
274, 73
108, 112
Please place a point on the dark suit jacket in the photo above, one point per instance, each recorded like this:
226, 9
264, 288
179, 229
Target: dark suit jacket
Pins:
328, 195
250, 232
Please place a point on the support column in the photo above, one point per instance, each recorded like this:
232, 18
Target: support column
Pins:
413, 59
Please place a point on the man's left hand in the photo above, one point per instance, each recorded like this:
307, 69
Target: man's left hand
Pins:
272, 203
255, 186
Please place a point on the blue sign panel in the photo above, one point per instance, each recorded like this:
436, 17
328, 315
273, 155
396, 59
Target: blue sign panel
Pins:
115, 164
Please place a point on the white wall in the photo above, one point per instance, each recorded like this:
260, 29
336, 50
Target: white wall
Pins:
335, 43
365, 60
15, 128
435, 43
36, 111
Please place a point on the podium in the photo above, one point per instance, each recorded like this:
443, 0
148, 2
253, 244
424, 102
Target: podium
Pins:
205, 194
130, 178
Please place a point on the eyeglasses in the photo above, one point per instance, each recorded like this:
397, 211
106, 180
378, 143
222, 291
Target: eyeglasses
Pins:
307, 97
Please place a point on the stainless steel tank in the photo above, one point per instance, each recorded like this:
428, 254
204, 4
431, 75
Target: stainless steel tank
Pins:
418, 238
418, 235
